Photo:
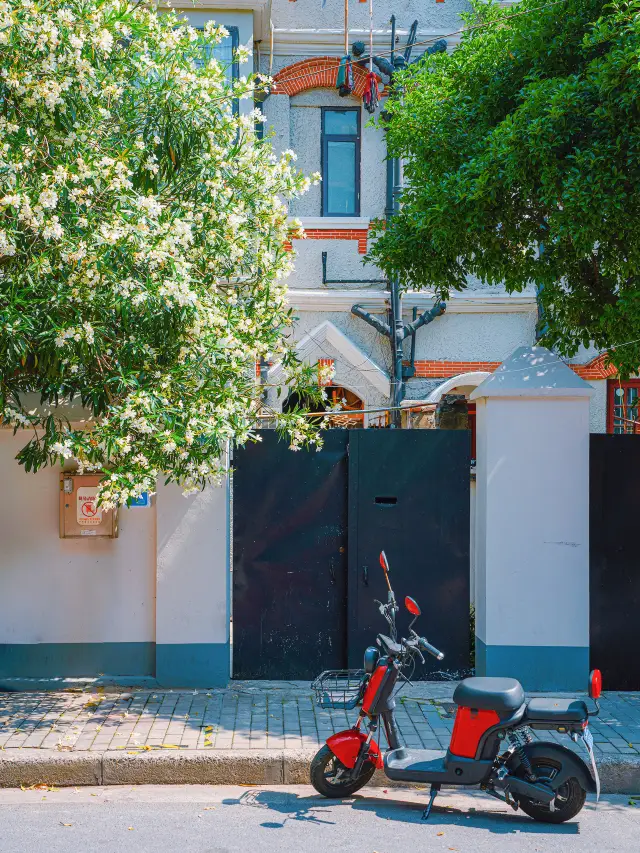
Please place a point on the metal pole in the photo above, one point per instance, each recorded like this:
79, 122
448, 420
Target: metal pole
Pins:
346, 27
397, 386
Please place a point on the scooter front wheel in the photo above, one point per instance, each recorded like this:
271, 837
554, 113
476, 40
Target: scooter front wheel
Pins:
331, 778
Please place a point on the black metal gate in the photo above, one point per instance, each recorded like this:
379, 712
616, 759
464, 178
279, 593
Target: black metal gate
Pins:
615, 559
409, 496
308, 528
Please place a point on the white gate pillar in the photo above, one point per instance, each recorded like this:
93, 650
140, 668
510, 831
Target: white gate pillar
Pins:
193, 587
532, 522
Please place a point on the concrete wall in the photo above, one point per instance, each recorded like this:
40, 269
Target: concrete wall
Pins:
475, 337
192, 617
343, 262
153, 602
441, 17
532, 528
84, 602
598, 406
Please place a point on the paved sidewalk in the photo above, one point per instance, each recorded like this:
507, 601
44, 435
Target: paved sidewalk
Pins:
249, 715
250, 732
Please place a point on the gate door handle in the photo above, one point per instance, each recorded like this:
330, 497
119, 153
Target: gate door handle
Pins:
365, 575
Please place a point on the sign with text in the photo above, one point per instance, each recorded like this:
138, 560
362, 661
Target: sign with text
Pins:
88, 514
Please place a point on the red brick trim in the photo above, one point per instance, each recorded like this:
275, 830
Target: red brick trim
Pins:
594, 369
359, 234
324, 362
447, 369
318, 72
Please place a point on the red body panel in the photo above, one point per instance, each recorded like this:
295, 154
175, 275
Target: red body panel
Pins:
468, 728
372, 687
346, 746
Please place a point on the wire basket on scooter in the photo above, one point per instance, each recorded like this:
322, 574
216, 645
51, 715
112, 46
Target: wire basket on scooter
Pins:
340, 688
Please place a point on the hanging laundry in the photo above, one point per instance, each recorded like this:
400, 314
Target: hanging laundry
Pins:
344, 80
371, 95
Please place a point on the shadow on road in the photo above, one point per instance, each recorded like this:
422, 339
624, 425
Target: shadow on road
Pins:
314, 809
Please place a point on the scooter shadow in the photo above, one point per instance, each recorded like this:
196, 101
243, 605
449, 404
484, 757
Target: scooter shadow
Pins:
314, 809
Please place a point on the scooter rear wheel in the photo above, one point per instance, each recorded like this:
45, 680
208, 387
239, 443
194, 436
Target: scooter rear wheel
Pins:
329, 775
570, 796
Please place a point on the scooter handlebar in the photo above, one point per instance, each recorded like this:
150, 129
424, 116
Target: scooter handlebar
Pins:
427, 647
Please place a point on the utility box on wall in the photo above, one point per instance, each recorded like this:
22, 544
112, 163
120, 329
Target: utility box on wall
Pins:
79, 514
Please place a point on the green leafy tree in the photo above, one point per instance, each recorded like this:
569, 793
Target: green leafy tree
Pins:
143, 237
522, 167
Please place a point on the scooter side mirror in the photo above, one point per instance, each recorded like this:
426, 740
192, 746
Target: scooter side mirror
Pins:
412, 606
595, 684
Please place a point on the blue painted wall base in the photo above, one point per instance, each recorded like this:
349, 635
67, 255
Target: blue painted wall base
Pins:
170, 665
192, 664
53, 660
538, 668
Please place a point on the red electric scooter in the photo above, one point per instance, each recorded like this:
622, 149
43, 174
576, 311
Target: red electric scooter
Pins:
491, 743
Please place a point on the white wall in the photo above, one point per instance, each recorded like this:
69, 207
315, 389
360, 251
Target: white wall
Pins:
536, 525
192, 566
56, 590
154, 601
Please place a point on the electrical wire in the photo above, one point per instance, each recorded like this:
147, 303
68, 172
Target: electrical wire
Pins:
429, 40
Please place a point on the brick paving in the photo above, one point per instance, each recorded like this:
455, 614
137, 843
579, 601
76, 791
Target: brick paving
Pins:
249, 715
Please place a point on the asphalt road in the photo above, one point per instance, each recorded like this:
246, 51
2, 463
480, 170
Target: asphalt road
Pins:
208, 819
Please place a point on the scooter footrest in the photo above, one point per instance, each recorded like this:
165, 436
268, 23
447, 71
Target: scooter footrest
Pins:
411, 765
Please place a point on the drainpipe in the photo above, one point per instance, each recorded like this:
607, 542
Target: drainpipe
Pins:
397, 383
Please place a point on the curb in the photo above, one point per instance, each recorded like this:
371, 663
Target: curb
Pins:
618, 775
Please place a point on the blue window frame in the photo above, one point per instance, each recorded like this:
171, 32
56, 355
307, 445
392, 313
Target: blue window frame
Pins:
341, 161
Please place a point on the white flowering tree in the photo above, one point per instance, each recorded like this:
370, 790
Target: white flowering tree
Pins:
142, 244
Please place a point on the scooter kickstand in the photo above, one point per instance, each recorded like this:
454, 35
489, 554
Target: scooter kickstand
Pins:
434, 791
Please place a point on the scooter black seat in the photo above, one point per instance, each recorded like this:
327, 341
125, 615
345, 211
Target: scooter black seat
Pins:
556, 711
489, 694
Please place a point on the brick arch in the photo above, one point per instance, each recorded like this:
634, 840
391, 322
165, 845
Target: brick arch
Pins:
597, 368
318, 72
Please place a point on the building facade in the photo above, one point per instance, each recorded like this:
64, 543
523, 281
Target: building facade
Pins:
300, 43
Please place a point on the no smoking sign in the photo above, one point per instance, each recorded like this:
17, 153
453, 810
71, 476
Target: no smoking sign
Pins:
88, 514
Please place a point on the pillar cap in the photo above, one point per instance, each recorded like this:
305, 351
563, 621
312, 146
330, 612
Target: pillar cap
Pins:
533, 371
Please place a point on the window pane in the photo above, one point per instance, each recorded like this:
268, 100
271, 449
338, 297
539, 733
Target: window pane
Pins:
341, 122
223, 52
340, 177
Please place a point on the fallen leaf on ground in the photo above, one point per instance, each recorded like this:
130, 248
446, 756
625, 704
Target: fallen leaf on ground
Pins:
632, 802
65, 824
439, 833
129, 828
